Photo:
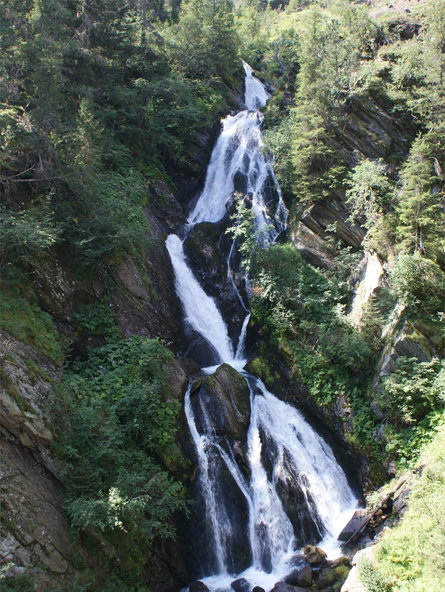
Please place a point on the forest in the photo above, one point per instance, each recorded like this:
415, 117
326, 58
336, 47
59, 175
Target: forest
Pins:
109, 110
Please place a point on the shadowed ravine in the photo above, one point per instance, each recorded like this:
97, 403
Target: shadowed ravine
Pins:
283, 456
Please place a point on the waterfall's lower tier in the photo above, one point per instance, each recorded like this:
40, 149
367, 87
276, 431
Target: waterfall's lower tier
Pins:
269, 483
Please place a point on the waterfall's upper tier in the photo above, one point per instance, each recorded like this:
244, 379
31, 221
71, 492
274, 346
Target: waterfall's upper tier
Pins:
255, 95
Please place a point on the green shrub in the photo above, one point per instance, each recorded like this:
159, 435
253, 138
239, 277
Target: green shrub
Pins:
26, 235
117, 449
413, 391
370, 577
97, 319
411, 556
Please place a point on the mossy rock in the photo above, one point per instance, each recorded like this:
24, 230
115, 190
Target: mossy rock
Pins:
226, 398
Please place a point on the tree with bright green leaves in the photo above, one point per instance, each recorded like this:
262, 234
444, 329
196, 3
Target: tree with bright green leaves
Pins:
369, 190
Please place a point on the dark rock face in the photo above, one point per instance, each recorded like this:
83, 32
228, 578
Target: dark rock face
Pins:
306, 523
241, 585
221, 404
225, 398
358, 519
300, 577
142, 299
34, 536
198, 587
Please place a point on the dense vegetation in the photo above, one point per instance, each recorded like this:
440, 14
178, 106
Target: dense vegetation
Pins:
410, 556
96, 103
120, 450
327, 61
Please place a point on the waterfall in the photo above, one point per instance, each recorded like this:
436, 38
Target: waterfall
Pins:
200, 310
283, 453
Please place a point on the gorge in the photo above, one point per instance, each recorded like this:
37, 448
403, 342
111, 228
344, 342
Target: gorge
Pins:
222, 289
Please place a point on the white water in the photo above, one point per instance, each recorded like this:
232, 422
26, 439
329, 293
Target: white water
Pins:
200, 310
326, 481
290, 439
255, 95
239, 149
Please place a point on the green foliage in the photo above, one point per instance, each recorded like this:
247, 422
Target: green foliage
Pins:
204, 43
26, 235
97, 319
27, 322
421, 224
411, 556
370, 577
413, 390
243, 230
21, 583
94, 105
111, 222
412, 400
419, 284
368, 192
303, 311
116, 451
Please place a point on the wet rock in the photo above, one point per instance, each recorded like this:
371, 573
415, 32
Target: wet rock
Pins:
226, 400
293, 490
300, 577
314, 555
355, 523
177, 381
198, 587
207, 248
258, 589
400, 500
283, 587
240, 182
241, 585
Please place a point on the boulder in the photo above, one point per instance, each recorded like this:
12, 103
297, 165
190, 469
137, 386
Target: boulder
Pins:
353, 582
355, 523
198, 587
283, 587
314, 555
225, 397
300, 577
258, 589
241, 585
177, 381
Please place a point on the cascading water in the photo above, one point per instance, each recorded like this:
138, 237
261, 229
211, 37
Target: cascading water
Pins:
283, 452
239, 150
